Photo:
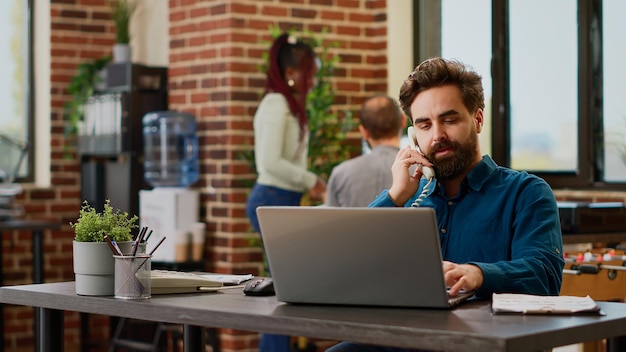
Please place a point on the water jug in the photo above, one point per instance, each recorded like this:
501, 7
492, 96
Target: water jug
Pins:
170, 149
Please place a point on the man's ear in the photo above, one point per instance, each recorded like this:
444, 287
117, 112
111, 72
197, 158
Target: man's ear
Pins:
364, 133
480, 119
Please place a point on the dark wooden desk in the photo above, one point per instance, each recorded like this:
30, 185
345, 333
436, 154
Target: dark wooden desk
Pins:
470, 327
36, 227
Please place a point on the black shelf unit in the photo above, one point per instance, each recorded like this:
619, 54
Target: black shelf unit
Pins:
112, 163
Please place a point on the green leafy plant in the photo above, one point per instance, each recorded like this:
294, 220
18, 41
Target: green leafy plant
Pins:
91, 225
81, 87
121, 13
328, 128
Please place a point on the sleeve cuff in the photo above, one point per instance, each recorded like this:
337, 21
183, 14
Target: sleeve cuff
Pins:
382, 200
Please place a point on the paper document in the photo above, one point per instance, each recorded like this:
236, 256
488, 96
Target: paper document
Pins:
533, 304
227, 279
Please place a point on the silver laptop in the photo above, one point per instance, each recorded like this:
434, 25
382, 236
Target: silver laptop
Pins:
355, 256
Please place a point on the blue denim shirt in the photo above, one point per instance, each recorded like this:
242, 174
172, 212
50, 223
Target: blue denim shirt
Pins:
504, 221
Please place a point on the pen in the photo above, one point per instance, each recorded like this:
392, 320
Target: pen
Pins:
117, 248
148, 236
110, 243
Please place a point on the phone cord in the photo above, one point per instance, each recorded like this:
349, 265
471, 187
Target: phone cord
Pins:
420, 199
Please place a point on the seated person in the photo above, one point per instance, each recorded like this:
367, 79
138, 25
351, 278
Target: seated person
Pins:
355, 182
499, 228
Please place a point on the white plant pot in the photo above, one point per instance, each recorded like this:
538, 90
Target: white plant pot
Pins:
94, 267
121, 53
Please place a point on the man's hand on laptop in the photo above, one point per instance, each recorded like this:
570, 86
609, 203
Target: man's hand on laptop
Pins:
459, 277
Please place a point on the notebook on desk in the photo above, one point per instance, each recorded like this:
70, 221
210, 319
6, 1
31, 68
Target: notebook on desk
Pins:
355, 256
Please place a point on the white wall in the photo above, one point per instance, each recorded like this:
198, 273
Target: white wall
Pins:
399, 44
149, 30
42, 92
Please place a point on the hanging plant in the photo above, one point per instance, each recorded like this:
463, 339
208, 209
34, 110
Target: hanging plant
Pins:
81, 87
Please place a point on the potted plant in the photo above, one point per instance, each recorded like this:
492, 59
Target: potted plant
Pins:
93, 259
121, 13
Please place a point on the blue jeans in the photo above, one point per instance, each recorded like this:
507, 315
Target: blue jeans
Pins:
268, 195
354, 347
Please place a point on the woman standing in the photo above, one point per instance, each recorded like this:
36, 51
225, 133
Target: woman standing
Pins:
281, 138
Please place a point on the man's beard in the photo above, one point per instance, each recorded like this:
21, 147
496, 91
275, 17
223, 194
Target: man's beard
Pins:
451, 166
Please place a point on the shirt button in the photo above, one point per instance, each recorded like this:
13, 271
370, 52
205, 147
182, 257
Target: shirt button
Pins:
450, 202
443, 231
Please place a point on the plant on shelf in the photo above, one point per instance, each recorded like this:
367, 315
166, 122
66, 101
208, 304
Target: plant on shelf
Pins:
121, 14
91, 226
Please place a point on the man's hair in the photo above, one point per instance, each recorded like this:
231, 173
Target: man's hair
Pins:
381, 117
437, 72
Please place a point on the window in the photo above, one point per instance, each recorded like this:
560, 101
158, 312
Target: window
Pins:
552, 75
472, 45
614, 114
15, 94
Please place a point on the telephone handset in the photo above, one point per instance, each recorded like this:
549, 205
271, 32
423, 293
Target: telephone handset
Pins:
428, 172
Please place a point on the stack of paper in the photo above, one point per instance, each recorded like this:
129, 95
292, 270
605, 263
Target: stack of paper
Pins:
533, 304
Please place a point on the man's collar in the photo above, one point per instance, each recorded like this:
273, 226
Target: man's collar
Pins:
481, 172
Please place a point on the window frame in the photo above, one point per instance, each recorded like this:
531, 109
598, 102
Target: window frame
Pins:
29, 103
30, 100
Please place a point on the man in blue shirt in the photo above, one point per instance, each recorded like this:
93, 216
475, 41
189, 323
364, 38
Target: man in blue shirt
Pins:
499, 228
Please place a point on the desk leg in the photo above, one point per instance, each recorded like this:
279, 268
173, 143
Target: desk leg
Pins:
49, 336
616, 344
37, 256
38, 274
193, 338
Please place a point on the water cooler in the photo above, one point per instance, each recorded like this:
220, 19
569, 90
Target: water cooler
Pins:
171, 208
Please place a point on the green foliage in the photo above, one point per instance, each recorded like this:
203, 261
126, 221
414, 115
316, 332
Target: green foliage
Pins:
328, 128
121, 12
91, 226
81, 87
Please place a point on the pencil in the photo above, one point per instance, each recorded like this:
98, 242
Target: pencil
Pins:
138, 239
157, 245
150, 255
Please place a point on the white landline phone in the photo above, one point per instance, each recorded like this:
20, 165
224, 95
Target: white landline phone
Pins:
428, 172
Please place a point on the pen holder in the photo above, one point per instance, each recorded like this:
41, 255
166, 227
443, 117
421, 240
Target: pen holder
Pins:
132, 276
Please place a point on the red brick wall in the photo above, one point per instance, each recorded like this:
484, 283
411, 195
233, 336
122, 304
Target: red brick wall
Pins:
215, 49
